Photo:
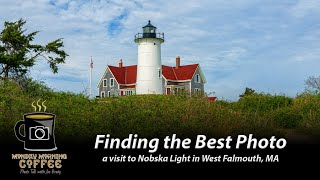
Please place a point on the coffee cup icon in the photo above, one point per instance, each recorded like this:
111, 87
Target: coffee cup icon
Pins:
38, 131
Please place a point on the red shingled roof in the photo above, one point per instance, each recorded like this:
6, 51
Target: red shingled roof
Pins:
128, 74
125, 75
182, 73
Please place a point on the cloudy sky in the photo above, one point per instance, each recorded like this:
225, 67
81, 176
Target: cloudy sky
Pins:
271, 46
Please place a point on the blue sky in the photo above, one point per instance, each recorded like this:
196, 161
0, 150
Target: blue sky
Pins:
271, 46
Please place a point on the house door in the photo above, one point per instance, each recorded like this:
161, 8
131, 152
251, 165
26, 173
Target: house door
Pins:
168, 91
121, 93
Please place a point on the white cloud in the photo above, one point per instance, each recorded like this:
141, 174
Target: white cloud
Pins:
234, 41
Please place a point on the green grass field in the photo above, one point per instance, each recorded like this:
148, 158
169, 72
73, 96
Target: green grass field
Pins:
160, 115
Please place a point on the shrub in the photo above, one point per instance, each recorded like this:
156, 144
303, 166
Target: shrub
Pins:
158, 115
287, 118
263, 102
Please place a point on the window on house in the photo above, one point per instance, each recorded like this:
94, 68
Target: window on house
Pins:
103, 94
176, 90
104, 82
109, 94
197, 78
128, 92
111, 82
197, 90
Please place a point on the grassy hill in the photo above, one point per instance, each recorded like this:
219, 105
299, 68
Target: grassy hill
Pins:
159, 115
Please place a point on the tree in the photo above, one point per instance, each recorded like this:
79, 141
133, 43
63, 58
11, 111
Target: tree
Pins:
313, 82
247, 92
17, 54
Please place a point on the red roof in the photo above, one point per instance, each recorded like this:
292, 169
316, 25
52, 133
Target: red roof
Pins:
125, 75
212, 98
128, 74
181, 73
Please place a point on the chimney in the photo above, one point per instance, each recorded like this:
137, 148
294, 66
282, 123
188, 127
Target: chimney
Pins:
120, 63
177, 62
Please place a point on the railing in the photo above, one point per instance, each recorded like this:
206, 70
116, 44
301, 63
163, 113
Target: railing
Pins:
149, 35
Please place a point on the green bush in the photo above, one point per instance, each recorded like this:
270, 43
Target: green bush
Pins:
287, 118
263, 102
308, 104
158, 115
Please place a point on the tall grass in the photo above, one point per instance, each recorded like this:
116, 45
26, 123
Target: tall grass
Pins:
159, 115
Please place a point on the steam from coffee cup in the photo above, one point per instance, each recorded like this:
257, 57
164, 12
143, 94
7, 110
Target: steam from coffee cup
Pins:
35, 108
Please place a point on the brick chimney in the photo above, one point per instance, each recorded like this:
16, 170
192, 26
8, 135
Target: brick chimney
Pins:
120, 63
177, 62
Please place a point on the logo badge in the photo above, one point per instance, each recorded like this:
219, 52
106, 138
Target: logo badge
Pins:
38, 130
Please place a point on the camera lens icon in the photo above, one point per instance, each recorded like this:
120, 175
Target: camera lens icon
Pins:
39, 133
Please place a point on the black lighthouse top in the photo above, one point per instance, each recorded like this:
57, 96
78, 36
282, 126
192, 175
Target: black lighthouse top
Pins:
149, 31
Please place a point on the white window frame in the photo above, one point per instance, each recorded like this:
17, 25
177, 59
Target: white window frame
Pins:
102, 94
128, 92
111, 82
197, 90
197, 78
109, 94
105, 80
176, 90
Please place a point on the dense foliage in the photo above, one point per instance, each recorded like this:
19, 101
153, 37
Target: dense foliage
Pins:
157, 115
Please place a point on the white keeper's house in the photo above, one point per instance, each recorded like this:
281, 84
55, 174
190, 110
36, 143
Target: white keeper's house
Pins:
149, 76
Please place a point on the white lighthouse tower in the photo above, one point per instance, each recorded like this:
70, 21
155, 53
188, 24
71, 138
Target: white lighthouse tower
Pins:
149, 68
